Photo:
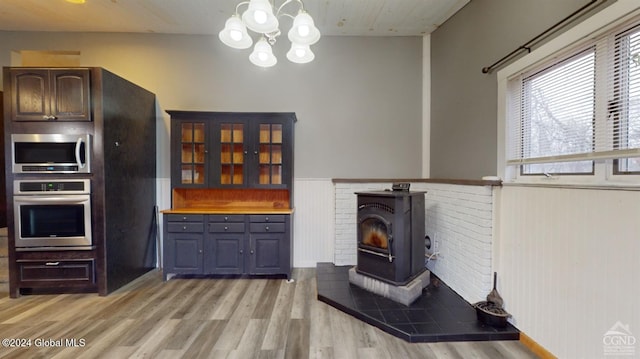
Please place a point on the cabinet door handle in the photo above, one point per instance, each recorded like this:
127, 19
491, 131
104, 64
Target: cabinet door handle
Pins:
255, 152
241, 251
251, 251
52, 264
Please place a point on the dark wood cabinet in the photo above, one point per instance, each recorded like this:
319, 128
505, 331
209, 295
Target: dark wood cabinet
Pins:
120, 118
236, 171
3, 163
67, 273
74, 270
50, 94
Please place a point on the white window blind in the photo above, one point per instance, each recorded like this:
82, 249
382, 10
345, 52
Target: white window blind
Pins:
580, 107
624, 109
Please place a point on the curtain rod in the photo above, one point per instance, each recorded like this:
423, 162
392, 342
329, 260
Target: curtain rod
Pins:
527, 45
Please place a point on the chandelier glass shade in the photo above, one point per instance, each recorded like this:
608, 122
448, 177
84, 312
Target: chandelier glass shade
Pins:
262, 54
300, 54
235, 34
262, 17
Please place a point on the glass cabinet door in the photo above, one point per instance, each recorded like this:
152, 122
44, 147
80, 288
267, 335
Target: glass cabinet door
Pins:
192, 161
232, 153
270, 154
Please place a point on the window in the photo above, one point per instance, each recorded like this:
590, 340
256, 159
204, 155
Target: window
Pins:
579, 113
626, 104
557, 115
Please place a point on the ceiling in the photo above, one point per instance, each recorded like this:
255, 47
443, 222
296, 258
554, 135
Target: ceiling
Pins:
332, 17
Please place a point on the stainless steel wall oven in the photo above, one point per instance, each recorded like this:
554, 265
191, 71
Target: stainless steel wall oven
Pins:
52, 214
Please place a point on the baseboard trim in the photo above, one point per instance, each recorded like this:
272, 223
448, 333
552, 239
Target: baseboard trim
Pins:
536, 348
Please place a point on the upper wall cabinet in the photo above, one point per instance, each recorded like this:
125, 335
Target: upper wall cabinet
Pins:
50, 94
227, 149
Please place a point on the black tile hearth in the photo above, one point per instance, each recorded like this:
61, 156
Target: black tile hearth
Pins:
438, 315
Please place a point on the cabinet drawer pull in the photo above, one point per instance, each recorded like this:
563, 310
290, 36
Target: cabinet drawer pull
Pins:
226, 219
52, 264
266, 219
266, 228
184, 218
184, 228
226, 228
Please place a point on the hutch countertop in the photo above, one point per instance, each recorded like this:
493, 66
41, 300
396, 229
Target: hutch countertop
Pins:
228, 210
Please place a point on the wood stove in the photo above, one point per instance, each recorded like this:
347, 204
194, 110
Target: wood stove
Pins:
391, 227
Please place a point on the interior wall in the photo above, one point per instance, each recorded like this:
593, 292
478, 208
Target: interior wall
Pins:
463, 99
565, 257
359, 104
568, 267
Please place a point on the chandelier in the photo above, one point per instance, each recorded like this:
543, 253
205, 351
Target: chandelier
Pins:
262, 17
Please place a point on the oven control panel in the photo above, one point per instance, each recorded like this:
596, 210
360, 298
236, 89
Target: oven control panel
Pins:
79, 186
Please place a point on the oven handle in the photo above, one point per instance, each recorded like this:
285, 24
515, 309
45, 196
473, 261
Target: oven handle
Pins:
78, 143
52, 199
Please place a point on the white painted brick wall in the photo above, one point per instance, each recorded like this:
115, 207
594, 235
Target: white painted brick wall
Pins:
346, 218
460, 218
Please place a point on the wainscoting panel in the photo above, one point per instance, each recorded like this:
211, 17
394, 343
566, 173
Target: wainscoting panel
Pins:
569, 265
313, 222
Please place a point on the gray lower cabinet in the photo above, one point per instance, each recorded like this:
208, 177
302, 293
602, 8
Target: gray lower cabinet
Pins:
268, 243
183, 244
227, 244
224, 246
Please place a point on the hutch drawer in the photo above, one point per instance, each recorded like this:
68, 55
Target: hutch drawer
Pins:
266, 218
226, 218
185, 227
185, 218
226, 227
267, 227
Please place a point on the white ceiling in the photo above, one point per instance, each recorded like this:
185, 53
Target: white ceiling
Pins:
332, 17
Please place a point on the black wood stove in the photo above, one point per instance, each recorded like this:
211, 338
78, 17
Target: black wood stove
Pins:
391, 228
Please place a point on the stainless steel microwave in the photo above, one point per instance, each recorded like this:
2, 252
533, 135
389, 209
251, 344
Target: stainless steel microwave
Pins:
51, 153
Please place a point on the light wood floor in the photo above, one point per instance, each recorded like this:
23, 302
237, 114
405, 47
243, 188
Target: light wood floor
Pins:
213, 318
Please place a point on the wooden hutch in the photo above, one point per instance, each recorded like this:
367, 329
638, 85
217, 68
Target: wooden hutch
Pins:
232, 194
